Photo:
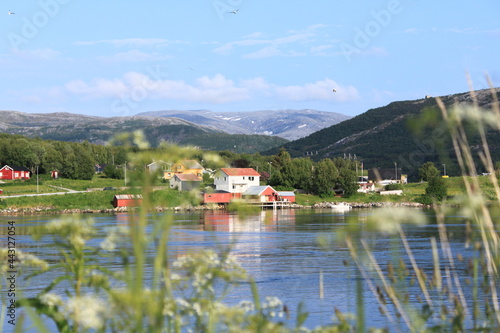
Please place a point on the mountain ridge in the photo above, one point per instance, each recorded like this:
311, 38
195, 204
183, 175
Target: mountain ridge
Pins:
288, 124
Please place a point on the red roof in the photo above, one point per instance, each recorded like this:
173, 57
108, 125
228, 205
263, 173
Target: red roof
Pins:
240, 172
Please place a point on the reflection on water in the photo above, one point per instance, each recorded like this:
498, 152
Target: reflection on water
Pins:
278, 248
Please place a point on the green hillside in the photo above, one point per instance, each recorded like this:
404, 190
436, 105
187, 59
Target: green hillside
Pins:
407, 133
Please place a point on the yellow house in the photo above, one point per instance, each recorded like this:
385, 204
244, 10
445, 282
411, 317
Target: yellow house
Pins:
184, 167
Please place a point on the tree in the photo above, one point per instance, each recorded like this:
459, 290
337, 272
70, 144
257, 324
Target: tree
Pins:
436, 188
428, 171
111, 171
52, 160
324, 178
348, 182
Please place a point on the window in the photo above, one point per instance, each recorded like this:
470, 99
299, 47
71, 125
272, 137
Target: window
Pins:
251, 178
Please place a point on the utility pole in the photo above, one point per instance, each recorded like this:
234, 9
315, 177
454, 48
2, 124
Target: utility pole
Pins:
396, 170
125, 172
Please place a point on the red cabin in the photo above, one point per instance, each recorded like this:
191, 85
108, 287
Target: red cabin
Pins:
14, 172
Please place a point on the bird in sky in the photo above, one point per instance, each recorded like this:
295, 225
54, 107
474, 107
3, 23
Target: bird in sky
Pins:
11, 13
234, 11
334, 90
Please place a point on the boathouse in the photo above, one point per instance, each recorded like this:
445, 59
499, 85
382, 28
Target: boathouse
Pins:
127, 200
287, 196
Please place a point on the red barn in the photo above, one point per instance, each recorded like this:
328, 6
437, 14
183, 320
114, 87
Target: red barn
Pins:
14, 172
127, 200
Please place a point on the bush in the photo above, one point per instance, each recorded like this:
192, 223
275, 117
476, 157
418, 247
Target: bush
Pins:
393, 187
436, 188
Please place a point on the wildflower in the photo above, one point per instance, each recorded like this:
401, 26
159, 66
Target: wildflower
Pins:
115, 234
388, 220
51, 299
87, 311
22, 260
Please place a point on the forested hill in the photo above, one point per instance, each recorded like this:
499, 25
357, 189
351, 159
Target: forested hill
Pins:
383, 136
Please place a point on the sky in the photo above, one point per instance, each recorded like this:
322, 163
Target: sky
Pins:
120, 58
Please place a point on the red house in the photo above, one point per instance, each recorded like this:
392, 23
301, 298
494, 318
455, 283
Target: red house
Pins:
14, 172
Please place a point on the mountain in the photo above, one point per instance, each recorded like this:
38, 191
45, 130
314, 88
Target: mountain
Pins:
393, 136
99, 130
288, 124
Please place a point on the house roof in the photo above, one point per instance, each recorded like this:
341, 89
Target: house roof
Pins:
188, 177
286, 193
127, 196
160, 162
15, 168
240, 172
191, 164
256, 190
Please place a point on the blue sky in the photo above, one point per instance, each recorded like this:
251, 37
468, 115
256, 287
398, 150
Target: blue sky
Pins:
120, 58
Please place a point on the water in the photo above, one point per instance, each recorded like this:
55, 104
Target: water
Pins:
278, 248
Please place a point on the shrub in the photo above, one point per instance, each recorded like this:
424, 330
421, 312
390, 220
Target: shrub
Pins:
436, 188
393, 187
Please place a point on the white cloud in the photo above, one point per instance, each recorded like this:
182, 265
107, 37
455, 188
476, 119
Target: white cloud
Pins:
272, 46
133, 56
45, 54
134, 42
320, 49
98, 88
215, 89
319, 90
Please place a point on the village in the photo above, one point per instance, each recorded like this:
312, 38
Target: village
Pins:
229, 184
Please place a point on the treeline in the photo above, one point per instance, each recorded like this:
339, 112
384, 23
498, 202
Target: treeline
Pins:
324, 178
72, 160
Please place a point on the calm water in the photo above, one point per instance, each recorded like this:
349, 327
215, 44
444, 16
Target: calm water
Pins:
279, 249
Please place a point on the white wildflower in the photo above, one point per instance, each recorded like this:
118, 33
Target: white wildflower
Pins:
175, 277
140, 139
247, 306
272, 302
51, 299
388, 220
114, 235
87, 311
181, 302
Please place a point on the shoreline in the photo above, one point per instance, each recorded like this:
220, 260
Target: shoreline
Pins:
321, 205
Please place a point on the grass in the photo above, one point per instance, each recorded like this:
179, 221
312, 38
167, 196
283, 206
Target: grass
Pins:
17, 188
82, 185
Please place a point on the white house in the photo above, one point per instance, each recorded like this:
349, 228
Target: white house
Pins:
236, 180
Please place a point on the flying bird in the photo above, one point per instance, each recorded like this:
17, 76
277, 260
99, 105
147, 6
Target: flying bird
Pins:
234, 11
334, 90
11, 13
